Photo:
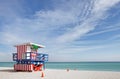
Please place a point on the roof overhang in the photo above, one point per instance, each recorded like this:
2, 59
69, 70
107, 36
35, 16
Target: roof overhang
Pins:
30, 44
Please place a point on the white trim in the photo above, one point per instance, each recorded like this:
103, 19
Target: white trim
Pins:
29, 44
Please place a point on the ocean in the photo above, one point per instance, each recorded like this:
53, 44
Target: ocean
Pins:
87, 66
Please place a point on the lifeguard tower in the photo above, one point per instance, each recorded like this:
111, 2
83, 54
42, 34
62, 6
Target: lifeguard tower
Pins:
28, 59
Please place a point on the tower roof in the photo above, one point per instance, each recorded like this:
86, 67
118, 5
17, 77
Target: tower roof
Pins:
30, 44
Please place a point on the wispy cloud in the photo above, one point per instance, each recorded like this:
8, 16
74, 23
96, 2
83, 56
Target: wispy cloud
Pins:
116, 37
98, 12
68, 17
56, 27
104, 31
42, 23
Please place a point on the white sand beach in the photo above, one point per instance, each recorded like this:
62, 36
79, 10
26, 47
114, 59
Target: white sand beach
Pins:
9, 73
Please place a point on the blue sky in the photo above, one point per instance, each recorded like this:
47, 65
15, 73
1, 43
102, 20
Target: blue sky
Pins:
71, 30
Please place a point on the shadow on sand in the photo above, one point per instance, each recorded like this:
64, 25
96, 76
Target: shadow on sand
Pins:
10, 70
7, 70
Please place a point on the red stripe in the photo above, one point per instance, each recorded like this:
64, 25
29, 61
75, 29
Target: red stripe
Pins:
24, 67
27, 67
19, 52
19, 66
26, 48
22, 51
14, 66
30, 67
22, 48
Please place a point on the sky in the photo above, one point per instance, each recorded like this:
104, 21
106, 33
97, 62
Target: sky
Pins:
71, 30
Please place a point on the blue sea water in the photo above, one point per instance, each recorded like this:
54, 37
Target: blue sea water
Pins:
91, 66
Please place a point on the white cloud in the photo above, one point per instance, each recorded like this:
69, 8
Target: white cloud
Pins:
103, 31
75, 18
98, 12
45, 22
41, 25
103, 5
55, 17
75, 33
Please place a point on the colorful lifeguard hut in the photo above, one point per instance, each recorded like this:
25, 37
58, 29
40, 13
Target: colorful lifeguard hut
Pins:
28, 59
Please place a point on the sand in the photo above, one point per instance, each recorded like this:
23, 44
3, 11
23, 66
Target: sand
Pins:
9, 73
